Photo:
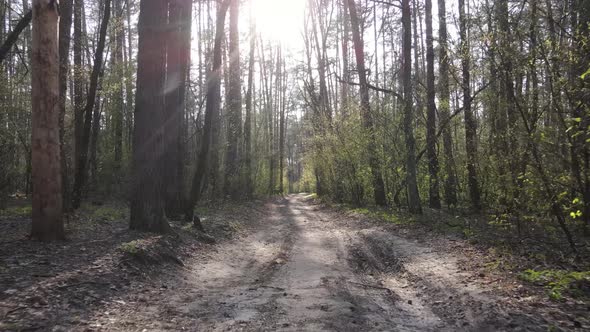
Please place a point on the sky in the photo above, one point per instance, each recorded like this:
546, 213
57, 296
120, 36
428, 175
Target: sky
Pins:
280, 21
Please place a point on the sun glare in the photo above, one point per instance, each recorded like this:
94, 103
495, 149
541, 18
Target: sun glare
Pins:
280, 20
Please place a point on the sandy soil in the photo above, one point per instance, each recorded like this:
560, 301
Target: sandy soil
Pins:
302, 267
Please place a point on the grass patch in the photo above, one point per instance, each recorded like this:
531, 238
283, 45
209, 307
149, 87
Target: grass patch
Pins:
383, 215
109, 213
202, 210
16, 212
560, 283
104, 212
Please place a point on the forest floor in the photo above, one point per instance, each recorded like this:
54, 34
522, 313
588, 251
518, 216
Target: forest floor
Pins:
289, 264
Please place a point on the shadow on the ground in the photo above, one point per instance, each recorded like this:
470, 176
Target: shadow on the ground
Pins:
69, 283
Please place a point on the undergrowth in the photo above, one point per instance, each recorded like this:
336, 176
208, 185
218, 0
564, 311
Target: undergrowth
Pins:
560, 283
382, 215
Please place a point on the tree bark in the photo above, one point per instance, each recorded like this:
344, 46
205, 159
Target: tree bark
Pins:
147, 199
178, 58
414, 203
45, 148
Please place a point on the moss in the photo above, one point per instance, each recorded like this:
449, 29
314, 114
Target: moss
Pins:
131, 247
560, 283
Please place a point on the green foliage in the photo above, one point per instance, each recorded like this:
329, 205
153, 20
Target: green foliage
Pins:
340, 158
559, 282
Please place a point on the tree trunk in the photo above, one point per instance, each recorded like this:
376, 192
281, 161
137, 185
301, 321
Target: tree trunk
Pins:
583, 95
45, 153
368, 124
470, 122
178, 58
81, 169
211, 114
444, 107
249, 110
414, 204
345, 59
128, 77
79, 82
147, 199
234, 123
94, 137
118, 70
282, 125
65, 26
431, 139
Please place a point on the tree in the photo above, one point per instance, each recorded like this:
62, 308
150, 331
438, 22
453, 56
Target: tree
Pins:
178, 58
414, 203
118, 104
212, 109
470, 122
450, 185
249, 109
65, 27
345, 57
78, 82
147, 206
431, 140
234, 123
13, 36
368, 124
46, 165
82, 153
282, 124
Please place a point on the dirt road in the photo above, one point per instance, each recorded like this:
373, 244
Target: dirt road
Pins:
309, 269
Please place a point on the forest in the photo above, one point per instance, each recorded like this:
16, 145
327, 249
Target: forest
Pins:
294, 165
